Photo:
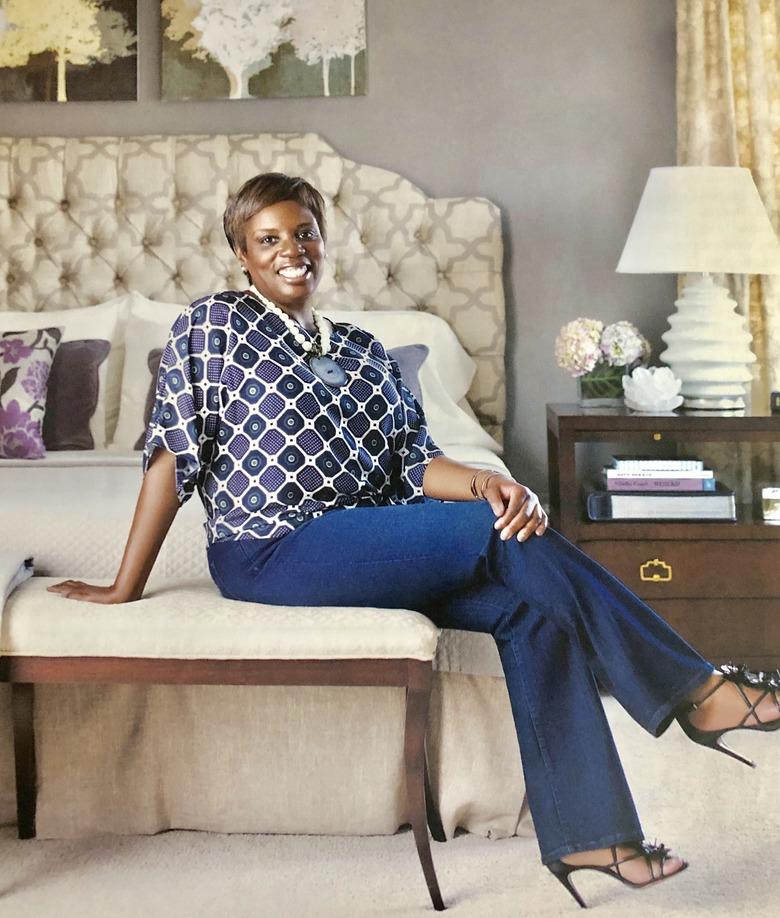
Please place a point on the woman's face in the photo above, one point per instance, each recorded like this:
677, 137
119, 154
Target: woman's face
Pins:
284, 253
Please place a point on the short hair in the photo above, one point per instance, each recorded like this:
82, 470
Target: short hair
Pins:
262, 191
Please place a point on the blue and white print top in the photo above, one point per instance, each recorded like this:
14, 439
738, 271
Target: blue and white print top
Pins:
266, 443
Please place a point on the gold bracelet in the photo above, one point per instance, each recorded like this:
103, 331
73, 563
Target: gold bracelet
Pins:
485, 484
473, 485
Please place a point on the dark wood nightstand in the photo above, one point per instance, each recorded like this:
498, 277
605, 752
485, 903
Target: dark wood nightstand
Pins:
717, 583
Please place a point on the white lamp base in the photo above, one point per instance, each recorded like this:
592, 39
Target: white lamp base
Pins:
709, 347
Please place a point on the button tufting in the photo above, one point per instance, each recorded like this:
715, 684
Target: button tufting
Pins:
38, 242
204, 241
12, 202
147, 244
176, 278
390, 278
364, 238
64, 204
93, 242
64, 280
119, 278
10, 279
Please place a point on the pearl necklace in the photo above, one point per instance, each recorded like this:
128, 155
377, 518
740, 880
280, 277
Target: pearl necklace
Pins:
323, 332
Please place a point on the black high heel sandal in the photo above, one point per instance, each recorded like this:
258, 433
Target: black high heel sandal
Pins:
651, 852
742, 677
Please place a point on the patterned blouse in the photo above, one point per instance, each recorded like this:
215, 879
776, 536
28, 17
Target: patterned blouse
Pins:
266, 443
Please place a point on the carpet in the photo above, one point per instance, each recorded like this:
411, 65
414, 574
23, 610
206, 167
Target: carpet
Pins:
721, 816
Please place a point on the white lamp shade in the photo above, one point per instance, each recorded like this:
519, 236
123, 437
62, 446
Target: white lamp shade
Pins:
700, 219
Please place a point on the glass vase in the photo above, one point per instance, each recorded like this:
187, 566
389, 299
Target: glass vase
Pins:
602, 387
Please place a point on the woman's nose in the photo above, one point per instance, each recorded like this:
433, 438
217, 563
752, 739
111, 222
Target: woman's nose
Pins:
291, 244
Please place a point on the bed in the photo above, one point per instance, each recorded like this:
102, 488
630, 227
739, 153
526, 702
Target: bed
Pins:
107, 239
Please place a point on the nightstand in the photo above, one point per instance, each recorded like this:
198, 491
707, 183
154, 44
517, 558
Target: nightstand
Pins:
717, 583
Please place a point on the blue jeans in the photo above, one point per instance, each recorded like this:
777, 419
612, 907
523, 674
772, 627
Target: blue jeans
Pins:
560, 621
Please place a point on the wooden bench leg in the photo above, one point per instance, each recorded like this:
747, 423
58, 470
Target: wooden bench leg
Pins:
22, 706
434, 820
418, 693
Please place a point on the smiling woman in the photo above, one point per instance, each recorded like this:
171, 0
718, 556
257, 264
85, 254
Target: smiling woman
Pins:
247, 415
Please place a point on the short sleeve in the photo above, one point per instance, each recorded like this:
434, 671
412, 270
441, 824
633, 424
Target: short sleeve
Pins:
415, 447
185, 415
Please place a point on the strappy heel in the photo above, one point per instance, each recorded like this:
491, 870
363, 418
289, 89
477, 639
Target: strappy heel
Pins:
741, 677
652, 852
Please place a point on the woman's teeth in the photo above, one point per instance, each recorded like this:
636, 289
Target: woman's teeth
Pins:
294, 273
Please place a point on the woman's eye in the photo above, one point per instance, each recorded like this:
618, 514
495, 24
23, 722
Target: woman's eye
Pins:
268, 240
307, 234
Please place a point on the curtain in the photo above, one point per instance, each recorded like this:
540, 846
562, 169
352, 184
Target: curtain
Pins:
728, 114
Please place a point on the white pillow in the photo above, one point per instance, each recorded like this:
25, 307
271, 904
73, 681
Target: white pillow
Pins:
147, 327
445, 376
85, 322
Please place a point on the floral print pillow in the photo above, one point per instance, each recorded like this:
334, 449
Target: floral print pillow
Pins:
25, 361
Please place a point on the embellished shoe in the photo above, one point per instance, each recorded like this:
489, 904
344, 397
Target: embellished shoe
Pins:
655, 855
741, 677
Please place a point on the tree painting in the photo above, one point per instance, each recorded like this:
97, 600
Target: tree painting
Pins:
65, 49
242, 49
327, 29
241, 36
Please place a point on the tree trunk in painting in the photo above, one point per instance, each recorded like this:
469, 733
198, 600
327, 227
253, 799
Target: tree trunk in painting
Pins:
352, 74
326, 76
239, 84
62, 95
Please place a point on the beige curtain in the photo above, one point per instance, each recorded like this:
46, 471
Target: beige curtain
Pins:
728, 114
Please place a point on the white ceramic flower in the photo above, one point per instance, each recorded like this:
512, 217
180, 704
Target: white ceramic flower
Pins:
652, 389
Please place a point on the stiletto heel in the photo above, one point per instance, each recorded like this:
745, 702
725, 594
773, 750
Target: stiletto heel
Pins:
742, 678
561, 872
651, 852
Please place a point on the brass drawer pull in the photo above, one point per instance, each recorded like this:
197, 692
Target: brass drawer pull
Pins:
655, 571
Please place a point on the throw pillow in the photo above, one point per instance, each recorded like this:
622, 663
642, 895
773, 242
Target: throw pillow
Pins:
87, 323
148, 326
25, 363
74, 390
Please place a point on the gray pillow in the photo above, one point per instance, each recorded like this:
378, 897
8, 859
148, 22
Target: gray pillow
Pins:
410, 357
74, 388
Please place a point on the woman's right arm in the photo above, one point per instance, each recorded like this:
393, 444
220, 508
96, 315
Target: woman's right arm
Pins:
155, 510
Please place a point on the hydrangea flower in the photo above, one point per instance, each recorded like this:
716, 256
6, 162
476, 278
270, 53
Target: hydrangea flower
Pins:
14, 349
622, 344
585, 345
577, 347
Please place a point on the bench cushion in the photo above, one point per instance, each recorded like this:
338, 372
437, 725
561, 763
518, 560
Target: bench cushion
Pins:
191, 621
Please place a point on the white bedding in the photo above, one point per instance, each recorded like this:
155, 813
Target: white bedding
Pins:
72, 511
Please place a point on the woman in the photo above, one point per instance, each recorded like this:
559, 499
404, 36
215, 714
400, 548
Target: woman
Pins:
283, 420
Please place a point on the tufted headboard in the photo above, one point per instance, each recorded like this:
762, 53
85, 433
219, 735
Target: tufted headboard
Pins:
83, 219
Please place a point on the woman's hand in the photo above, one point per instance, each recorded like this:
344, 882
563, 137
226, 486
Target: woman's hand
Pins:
518, 509
87, 592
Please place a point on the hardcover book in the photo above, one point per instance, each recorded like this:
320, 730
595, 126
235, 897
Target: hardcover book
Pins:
632, 505
653, 463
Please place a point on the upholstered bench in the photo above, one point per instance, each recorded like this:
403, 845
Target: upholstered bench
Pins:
188, 634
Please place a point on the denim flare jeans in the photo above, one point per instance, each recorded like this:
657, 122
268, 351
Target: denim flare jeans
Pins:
562, 624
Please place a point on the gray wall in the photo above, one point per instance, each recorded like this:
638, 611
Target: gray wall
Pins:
553, 109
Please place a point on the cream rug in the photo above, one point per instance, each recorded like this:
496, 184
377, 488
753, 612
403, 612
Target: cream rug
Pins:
723, 817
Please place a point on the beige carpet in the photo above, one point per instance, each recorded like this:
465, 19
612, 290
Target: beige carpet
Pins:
723, 817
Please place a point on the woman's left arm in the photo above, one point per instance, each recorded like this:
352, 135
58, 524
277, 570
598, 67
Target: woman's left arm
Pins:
518, 510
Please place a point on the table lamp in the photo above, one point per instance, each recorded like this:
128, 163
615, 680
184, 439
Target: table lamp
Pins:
703, 220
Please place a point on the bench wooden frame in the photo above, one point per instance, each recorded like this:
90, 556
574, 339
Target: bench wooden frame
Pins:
413, 675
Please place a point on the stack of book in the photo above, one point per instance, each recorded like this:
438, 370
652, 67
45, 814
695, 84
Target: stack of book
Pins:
647, 488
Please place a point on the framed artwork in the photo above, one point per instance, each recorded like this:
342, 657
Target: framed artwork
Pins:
67, 50
244, 49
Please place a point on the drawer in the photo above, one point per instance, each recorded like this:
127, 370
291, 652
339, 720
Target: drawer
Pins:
692, 569
742, 630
